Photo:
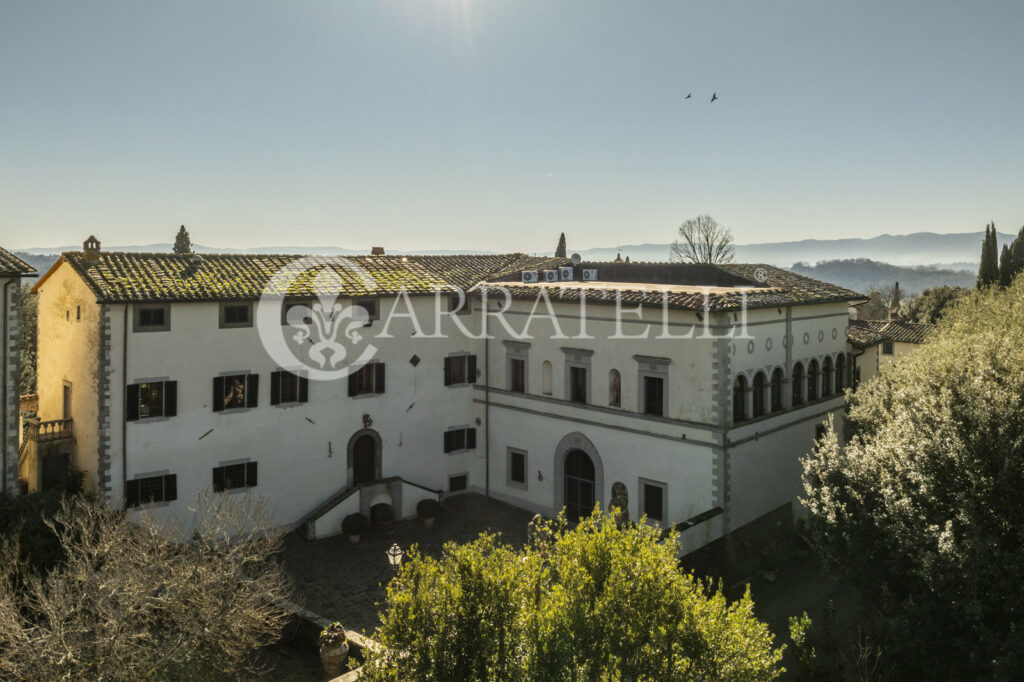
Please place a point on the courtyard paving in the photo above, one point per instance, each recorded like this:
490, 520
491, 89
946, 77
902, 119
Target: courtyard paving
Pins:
344, 581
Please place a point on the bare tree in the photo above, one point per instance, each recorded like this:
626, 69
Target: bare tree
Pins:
702, 240
146, 600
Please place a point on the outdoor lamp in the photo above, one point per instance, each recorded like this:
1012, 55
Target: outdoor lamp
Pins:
394, 556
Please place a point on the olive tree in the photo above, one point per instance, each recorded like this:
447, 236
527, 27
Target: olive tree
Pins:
923, 508
138, 600
597, 602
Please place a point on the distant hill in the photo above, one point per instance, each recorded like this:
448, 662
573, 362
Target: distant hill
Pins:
863, 274
921, 248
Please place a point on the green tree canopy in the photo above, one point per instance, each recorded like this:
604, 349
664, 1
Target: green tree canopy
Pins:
923, 509
182, 242
594, 603
931, 304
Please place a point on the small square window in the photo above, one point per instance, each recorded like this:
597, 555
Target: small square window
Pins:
459, 370
235, 391
463, 307
372, 308
152, 318
653, 500
457, 483
235, 315
887, 348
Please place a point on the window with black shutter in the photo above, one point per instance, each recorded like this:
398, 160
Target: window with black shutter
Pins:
654, 501
152, 399
232, 476
517, 468
463, 438
459, 370
368, 379
287, 388
234, 315
517, 375
151, 489
235, 391
457, 483
654, 396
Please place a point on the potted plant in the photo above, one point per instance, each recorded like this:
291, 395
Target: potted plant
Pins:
427, 510
333, 649
354, 525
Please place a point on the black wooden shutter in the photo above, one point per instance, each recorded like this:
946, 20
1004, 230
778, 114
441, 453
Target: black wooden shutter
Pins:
218, 394
448, 438
275, 388
170, 398
132, 408
252, 390
352, 383
379, 383
448, 371
170, 487
131, 494
470, 439
471, 369
218, 479
250, 474
303, 389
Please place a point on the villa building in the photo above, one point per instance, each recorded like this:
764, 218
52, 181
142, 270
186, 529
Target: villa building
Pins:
12, 269
878, 343
686, 393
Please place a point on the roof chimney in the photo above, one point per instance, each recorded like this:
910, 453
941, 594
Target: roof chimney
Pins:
91, 247
376, 250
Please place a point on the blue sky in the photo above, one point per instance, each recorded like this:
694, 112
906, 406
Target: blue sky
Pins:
497, 124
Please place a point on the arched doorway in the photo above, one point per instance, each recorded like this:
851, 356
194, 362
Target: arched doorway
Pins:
364, 457
579, 479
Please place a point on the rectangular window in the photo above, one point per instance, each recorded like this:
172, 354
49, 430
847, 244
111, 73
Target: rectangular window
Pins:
578, 384
652, 499
886, 347
233, 315
152, 318
232, 476
297, 312
517, 375
454, 306
286, 388
457, 483
654, 396
372, 308
151, 489
367, 380
516, 468
235, 391
152, 399
462, 438
459, 369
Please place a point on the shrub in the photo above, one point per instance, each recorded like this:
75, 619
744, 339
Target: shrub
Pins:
355, 524
428, 508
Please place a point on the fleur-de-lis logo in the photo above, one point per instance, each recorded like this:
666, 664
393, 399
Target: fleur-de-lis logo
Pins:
322, 335
321, 325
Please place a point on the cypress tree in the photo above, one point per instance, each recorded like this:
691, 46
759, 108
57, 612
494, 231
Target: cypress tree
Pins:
182, 243
1017, 253
988, 271
1005, 267
560, 249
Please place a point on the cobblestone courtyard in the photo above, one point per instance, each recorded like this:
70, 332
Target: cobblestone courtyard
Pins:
342, 581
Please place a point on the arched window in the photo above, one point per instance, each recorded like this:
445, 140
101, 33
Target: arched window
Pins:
812, 381
826, 377
776, 390
840, 373
739, 399
545, 377
614, 388
798, 383
759, 394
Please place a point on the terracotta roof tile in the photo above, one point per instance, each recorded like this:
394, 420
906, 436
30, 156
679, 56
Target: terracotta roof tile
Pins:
893, 330
117, 277
11, 264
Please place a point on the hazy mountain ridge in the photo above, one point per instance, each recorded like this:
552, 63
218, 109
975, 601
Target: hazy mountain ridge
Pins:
863, 275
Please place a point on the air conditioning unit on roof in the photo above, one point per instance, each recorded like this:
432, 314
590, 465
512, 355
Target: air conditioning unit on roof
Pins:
530, 276
565, 274
589, 275
551, 275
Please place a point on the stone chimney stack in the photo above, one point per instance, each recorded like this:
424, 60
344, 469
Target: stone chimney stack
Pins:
376, 250
91, 247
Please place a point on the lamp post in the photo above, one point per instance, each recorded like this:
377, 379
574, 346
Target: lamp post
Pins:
394, 555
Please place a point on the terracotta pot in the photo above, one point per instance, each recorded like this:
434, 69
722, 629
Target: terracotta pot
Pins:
334, 657
428, 521
354, 538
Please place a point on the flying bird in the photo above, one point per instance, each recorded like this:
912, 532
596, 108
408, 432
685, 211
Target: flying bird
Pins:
688, 96
714, 96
